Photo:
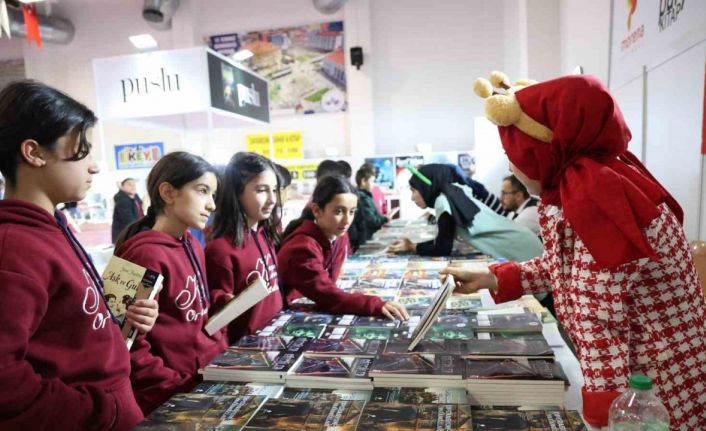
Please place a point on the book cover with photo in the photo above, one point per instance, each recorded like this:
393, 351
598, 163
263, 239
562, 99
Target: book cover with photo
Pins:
372, 321
125, 282
357, 332
418, 364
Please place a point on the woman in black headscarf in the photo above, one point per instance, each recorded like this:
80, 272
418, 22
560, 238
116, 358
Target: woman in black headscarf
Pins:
458, 213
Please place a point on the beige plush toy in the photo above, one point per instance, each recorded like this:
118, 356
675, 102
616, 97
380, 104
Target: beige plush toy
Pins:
502, 108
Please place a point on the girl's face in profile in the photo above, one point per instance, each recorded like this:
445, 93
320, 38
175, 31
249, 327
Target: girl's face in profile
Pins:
418, 199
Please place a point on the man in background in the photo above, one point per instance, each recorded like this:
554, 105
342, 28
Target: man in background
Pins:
521, 206
128, 207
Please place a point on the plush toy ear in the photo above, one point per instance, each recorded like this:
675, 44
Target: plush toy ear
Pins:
524, 82
502, 110
483, 88
499, 80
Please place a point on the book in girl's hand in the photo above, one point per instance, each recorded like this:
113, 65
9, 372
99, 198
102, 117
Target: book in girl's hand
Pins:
251, 295
125, 282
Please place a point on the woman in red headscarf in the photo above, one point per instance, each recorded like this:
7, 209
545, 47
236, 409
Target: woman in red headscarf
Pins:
616, 257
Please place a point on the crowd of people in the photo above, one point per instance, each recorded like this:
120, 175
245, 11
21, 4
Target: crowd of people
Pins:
618, 264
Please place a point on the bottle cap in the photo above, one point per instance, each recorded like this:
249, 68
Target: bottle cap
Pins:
640, 381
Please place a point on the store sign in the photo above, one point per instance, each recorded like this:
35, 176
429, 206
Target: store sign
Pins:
237, 90
152, 84
258, 143
138, 156
288, 145
647, 33
305, 171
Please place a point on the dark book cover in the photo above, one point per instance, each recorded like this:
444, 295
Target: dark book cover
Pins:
299, 318
419, 395
232, 388
424, 346
254, 342
233, 358
499, 420
419, 364
420, 417
322, 366
508, 347
517, 369
324, 394
347, 346
298, 415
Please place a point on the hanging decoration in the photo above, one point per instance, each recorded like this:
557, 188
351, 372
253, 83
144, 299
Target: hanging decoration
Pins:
32, 23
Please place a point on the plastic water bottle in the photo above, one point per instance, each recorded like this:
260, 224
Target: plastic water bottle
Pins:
638, 408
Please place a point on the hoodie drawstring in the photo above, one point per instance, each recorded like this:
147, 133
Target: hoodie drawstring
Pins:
85, 261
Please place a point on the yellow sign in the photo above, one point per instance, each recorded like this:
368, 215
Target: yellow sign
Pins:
258, 143
288, 145
304, 171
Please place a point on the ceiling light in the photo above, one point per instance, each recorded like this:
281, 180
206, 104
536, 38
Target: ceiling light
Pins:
242, 55
144, 42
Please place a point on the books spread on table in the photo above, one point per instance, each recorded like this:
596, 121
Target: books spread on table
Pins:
125, 282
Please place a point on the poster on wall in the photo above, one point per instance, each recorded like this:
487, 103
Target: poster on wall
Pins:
236, 90
384, 172
138, 156
647, 33
402, 174
305, 65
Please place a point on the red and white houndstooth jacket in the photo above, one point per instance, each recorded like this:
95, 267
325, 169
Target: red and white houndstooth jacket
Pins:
641, 317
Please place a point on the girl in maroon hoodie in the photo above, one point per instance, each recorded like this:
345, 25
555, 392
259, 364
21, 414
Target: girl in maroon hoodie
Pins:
63, 362
242, 242
316, 245
181, 187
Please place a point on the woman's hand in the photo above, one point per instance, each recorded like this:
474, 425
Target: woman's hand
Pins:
142, 314
395, 310
404, 245
471, 281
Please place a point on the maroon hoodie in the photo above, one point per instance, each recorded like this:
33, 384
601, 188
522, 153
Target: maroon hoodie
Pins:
165, 360
63, 362
309, 265
231, 268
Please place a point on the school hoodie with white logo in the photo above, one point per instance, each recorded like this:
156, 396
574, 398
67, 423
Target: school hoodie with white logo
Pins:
165, 360
63, 362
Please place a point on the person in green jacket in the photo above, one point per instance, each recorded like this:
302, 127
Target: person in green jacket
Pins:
459, 214
364, 178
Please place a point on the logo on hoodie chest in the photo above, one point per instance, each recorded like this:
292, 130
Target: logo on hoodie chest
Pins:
189, 300
266, 270
92, 300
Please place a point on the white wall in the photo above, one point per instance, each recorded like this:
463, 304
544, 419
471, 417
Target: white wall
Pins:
585, 36
426, 59
10, 49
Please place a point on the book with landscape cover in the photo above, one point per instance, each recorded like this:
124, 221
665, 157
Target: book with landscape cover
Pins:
254, 342
203, 412
251, 295
343, 371
416, 417
125, 282
297, 415
432, 312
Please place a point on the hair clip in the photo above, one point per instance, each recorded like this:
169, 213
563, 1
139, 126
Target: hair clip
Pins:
419, 175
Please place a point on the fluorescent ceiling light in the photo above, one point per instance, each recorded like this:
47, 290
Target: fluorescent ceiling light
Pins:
30, 1
144, 42
242, 55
